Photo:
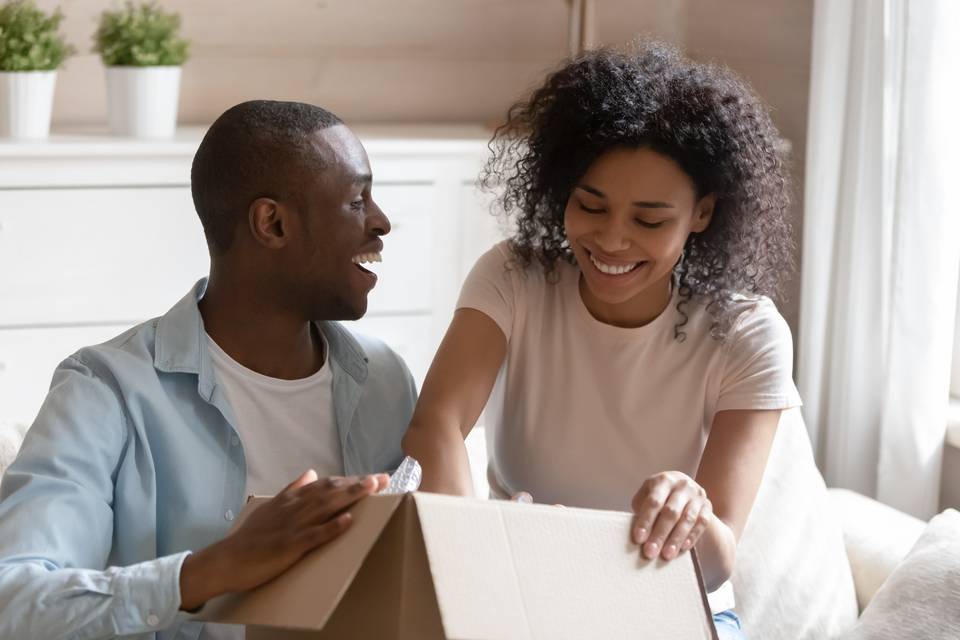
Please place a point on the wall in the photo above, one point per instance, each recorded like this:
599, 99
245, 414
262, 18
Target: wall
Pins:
443, 61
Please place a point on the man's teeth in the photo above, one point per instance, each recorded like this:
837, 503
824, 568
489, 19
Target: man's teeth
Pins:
367, 258
611, 269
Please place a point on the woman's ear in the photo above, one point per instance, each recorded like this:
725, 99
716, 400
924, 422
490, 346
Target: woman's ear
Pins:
703, 213
268, 223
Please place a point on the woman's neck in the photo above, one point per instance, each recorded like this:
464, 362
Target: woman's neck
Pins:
638, 311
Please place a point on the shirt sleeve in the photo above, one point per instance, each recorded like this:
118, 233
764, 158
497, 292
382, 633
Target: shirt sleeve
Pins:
490, 288
56, 525
758, 365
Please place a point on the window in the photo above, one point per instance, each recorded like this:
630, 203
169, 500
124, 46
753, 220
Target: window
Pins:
955, 375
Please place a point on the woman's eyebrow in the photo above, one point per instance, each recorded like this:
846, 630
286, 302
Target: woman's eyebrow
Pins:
643, 204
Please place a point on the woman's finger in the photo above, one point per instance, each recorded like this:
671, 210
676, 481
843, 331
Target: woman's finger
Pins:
697, 532
647, 504
666, 520
684, 527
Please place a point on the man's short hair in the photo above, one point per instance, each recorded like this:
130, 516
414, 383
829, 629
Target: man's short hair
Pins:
256, 149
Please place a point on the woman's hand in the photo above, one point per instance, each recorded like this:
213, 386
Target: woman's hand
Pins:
672, 512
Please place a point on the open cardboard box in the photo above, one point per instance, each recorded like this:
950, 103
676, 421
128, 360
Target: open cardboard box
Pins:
429, 567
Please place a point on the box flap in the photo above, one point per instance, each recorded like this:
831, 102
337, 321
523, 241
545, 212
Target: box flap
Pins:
508, 570
305, 596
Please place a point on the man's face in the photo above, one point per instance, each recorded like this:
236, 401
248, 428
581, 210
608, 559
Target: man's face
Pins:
339, 227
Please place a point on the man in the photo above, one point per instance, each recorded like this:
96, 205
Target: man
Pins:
147, 445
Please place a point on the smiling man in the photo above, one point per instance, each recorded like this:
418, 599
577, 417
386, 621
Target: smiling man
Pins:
114, 517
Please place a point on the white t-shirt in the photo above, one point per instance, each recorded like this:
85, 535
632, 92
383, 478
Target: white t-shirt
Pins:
583, 412
286, 426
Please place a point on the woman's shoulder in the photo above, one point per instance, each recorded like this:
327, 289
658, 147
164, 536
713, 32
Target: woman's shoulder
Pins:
504, 260
744, 315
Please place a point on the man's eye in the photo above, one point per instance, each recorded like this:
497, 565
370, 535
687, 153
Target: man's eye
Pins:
356, 205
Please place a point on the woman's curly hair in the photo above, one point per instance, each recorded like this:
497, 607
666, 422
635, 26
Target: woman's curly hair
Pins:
700, 115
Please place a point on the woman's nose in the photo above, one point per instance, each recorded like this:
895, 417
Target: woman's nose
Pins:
612, 238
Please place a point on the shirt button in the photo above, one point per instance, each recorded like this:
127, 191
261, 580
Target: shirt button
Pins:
234, 440
228, 515
153, 620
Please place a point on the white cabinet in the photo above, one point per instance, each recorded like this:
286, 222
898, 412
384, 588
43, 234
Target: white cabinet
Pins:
98, 233
105, 255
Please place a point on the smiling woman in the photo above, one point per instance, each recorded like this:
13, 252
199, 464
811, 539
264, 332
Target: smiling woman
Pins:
644, 367
709, 128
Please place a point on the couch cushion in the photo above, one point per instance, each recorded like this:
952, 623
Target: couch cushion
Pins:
921, 598
877, 538
792, 578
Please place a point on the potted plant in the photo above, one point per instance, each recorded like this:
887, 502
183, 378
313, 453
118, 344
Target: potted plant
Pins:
31, 50
141, 46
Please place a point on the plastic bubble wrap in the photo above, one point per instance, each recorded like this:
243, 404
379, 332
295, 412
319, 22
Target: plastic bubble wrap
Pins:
406, 478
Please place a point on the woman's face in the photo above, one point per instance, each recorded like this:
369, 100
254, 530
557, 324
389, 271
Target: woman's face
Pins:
627, 221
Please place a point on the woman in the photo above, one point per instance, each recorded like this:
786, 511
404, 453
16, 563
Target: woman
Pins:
641, 364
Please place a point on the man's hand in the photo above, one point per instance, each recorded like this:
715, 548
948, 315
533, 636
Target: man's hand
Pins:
672, 512
305, 515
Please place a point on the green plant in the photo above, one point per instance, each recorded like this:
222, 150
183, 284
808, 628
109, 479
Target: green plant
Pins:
140, 35
29, 38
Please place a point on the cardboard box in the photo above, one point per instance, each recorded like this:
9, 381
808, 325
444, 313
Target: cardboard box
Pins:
424, 567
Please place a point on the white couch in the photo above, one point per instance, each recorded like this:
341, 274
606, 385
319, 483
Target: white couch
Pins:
810, 560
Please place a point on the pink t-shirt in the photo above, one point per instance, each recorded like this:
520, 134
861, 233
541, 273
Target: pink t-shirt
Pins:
583, 412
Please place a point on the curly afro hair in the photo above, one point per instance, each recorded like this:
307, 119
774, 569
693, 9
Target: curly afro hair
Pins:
700, 115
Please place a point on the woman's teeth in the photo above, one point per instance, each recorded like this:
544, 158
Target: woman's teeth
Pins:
611, 269
367, 258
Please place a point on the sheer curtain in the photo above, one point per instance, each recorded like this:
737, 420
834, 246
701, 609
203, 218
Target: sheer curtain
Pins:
881, 244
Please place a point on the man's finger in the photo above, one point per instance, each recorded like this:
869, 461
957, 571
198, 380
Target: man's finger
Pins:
320, 534
307, 477
326, 505
522, 496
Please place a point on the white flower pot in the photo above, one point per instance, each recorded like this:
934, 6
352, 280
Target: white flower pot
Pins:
26, 103
142, 101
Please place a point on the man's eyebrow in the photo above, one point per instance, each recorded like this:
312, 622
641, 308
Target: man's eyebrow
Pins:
643, 204
361, 178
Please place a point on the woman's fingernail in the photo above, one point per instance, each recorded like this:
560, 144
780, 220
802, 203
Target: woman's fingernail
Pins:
670, 552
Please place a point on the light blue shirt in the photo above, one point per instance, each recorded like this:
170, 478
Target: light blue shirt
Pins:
133, 461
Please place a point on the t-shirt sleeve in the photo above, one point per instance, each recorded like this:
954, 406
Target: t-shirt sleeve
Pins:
758, 368
490, 288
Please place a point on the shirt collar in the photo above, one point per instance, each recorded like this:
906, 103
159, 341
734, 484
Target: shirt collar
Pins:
181, 343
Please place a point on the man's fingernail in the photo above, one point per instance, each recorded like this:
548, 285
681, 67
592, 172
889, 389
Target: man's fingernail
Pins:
641, 535
651, 550
670, 552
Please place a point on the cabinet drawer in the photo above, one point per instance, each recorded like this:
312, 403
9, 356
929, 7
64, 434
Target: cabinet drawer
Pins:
28, 358
96, 255
411, 337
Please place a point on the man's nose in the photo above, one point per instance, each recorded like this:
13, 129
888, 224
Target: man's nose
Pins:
377, 221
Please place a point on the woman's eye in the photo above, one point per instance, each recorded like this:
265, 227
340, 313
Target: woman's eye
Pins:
589, 209
649, 225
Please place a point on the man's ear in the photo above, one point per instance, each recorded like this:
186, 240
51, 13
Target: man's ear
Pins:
703, 213
268, 223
